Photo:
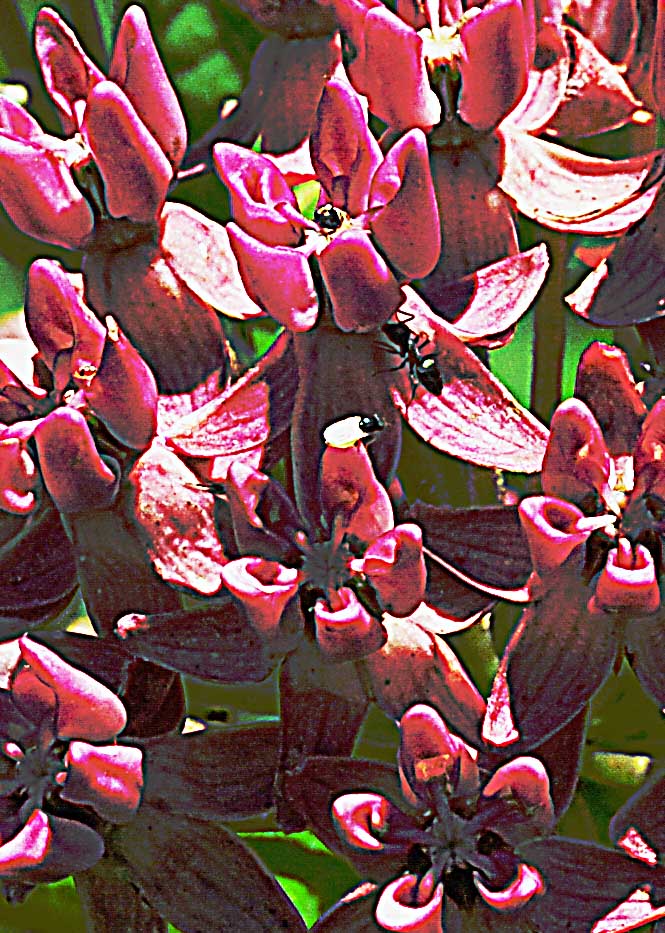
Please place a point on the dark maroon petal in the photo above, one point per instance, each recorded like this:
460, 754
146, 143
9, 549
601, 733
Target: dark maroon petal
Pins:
557, 658
123, 393
494, 41
647, 453
216, 643
111, 901
135, 171
641, 819
575, 193
394, 76
583, 882
344, 152
417, 666
487, 544
605, 383
171, 505
323, 706
38, 570
49, 848
597, 97
198, 250
19, 479
645, 643
221, 884
403, 210
39, 194
233, 778
69, 75
613, 25
262, 204
86, 709
353, 914
518, 800
74, 473
277, 278
114, 572
108, 778
137, 68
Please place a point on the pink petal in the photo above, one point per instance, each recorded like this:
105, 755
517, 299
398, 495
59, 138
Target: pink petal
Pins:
429, 752
577, 461
628, 581
554, 528
18, 477
395, 567
345, 630
411, 905
351, 494
86, 708
524, 782
264, 588
632, 914
360, 818
107, 778
527, 884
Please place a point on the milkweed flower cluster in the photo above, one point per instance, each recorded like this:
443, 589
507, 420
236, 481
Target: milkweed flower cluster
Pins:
217, 418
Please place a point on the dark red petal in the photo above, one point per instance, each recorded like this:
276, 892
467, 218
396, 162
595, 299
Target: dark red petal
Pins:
494, 43
18, 478
628, 582
345, 630
351, 494
645, 642
135, 171
395, 567
430, 753
264, 589
86, 708
74, 473
577, 462
344, 152
137, 68
108, 778
403, 214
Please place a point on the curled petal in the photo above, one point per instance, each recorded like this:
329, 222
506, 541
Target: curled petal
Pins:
262, 203
347, 631
554, 528
245, 487
29, 847
136, 172
430, 752
577, 461
524, 782
263, 587
137, 68
277, 278
363, 290
74, 473
123, 394
360, 818
107, 778
85, 708
411, 905
494, 43
18, 477
395, 566
527, 884
628, 581
403, 212
39, 194
351, 492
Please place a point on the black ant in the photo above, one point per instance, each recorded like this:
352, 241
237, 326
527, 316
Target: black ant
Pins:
329, 218
423, 368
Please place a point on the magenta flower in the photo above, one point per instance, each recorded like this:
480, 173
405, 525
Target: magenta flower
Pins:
370, 204
595, 543
60, 749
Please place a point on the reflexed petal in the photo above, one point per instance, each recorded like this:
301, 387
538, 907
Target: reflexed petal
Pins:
137, 68
135, 171
49, 848
86, 708
524, 785
346, 631
18, 477
107, 778
277, 278
631, 914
